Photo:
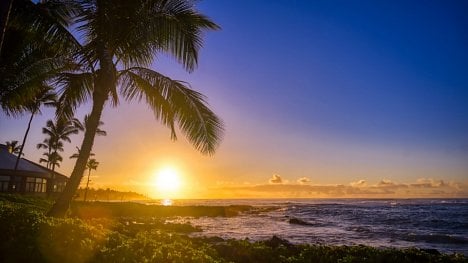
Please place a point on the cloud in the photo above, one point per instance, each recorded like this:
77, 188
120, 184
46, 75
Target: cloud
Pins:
275, 179
385, 183
360, 183
428, 183
303, 180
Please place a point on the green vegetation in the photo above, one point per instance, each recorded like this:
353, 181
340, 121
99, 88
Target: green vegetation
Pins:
128, 209
30, 236
108, 195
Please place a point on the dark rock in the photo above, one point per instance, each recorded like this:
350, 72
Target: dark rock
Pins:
275, 242
431, 251
298, 221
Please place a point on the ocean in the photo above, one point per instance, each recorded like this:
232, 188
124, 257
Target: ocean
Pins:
440, 224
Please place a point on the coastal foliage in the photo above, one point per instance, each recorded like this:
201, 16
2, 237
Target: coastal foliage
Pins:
30, 236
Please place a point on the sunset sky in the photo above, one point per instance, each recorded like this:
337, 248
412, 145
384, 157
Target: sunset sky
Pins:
319, 99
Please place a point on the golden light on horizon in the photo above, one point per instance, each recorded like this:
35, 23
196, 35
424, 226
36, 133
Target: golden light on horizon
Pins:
168, 182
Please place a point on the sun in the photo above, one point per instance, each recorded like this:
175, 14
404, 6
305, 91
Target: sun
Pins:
168, 181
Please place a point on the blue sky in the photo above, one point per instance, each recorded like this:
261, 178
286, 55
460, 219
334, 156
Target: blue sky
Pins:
365, 70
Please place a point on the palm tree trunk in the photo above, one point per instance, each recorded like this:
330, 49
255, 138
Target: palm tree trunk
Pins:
50, 187
12, 178
104, 82
61, 205
48, 158
87, 184
5, 8
24, 141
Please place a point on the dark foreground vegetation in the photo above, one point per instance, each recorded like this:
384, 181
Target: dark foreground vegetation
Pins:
29, 236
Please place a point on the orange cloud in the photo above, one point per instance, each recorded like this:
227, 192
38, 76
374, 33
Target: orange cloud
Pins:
359, 183
303, 180
275, 179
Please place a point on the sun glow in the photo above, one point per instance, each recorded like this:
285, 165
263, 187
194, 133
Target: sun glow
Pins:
168, 181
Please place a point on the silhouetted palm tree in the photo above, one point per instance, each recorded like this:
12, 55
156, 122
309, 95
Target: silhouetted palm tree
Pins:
45, 97
58, 132
52, 159
51, 147
120, 38
92, 164
82, 125
13, 147
77, 154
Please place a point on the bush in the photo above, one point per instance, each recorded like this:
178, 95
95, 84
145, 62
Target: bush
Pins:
29, 236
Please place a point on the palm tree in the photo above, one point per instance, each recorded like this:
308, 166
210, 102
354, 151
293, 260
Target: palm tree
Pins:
13, 147
52, 159
92, 164
121, 38
58, 132
82, 126
45, 97
51, 147
77, 154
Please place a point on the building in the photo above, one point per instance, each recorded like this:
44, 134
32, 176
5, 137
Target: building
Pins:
29, 178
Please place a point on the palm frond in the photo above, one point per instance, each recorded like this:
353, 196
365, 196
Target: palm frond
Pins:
74, 89
172, 101
49, 20
145, 27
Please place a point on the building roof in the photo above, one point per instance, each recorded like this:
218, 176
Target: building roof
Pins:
8, 161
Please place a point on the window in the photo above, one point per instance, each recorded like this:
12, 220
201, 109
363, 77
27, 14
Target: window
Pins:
59, 186
38, 185
4, 182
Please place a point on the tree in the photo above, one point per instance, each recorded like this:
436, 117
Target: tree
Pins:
77, 154
53, 159
13, 147
58, 132
121, 38
51, 147
82, 126
44, 97
92, 164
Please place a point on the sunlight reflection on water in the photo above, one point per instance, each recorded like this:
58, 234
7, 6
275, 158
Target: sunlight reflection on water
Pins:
166, 202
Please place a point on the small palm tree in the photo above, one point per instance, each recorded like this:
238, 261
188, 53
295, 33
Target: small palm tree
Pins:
52, 159
51, 147
58, 132
82, 125
45, 97
77, 154
92, 164
13, 147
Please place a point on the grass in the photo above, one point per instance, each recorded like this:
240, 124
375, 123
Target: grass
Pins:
118, 236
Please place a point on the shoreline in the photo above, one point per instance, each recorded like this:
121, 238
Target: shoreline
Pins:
109, 238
